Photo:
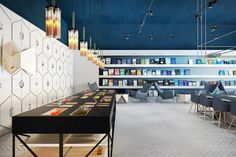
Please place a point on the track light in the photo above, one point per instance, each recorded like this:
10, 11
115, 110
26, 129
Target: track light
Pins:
150, 13
198, 16
213, 28
211, 3
151, 37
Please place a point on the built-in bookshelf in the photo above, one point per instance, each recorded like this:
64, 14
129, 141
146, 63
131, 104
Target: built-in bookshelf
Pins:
175, 72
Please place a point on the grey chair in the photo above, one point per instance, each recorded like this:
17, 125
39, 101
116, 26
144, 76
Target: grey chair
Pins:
205, 102
220, 106
143, 93
195, 99
167, 94
93, 86
232, 111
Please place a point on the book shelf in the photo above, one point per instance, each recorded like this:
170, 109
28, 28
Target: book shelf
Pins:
171, 72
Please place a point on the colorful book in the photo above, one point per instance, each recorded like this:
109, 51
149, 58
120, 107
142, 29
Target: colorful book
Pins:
125, 82
105, 82
135, 83
110, 82
122, 71
105, 72
133, 72
145, 72
156, 60
138, 61
158, 72
119, 61
134, 61
162, 61
120, 83
127, 72
147, 61
139, 71
128, 61
108, 60
152, 61
168, 61
117, 71
140, 82
123, 60
115, 83
142, 61
111, 72
173, 60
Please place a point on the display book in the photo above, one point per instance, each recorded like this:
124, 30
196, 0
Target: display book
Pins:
157, 71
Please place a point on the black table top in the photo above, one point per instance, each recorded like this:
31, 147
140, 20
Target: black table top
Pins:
98, 120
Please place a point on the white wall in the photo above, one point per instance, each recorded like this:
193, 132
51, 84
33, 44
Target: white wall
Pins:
84, 71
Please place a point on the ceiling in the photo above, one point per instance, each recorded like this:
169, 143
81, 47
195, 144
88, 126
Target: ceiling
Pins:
114, 24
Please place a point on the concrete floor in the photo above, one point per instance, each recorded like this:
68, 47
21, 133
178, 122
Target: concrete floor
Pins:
161, 130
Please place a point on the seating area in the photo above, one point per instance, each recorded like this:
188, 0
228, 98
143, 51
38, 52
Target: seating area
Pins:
214, 101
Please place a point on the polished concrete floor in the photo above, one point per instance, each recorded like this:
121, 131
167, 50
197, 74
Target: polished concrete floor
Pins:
161, 130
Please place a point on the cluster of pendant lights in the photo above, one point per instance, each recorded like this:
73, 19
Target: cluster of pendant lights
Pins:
53, 29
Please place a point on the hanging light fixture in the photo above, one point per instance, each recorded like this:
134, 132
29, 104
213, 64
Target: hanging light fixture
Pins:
94, 57
53, 21
73, 35
83, 45
90, 51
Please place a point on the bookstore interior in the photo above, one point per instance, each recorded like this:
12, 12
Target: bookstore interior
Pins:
103, 78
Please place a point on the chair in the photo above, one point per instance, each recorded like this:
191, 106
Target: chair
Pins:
143, 93
93, 86
195, 99
220, 106
205, 102
232, 111
168, 94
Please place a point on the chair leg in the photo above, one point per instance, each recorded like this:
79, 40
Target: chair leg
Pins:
204, 113
219, 120
231, 122
190, 108
224, 117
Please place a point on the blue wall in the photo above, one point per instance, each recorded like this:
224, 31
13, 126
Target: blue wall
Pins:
34, 12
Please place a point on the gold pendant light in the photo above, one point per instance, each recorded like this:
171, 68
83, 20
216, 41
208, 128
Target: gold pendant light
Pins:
73, 35
53, 21
83, 45
90, 51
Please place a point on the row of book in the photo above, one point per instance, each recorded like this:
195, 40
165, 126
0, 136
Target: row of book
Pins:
215, 61
140, 60
227, 72
145, 72
128, 82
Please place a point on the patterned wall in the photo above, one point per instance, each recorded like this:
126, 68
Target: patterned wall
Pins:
44, 72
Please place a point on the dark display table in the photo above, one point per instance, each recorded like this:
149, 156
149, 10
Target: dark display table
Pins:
83, 113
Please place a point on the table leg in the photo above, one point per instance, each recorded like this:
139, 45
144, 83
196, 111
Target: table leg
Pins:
13, 145
108, 145
60, 145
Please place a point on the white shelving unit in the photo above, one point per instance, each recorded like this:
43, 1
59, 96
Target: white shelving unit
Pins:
162, 87
170, 66
170, 76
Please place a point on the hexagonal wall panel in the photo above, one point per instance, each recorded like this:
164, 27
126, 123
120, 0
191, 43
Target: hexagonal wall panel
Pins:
59, 67
36, 83
42, 99
29, 102
20, 34
70, 69
42, 63
65, 69
63, 82
36, 40
56, 82
68, 82
6, 26
21, 82
5, 86
47, 46
52, 68
63, 53
60, 94
56, 50
68, 55
12, 106
47, 82
52, 96
66, 93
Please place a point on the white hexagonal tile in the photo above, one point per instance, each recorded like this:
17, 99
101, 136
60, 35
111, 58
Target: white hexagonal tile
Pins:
63, 53
60, 94
5, 86
36, 83
47, 82
56, 82
52, 96
63, 82
66, 93
52, 67
47, 46
56, 50
68, 55
68, 82
71, 69
9, 108
6, 26
65, 69
42, 99
29, 103
59, 67
36, 40
21, 82
20, 34
42, 63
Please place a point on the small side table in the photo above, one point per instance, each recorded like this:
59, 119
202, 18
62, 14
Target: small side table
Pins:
122, 98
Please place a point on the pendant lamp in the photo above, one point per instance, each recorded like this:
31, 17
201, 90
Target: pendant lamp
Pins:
83, 45
73, 35
53, 21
